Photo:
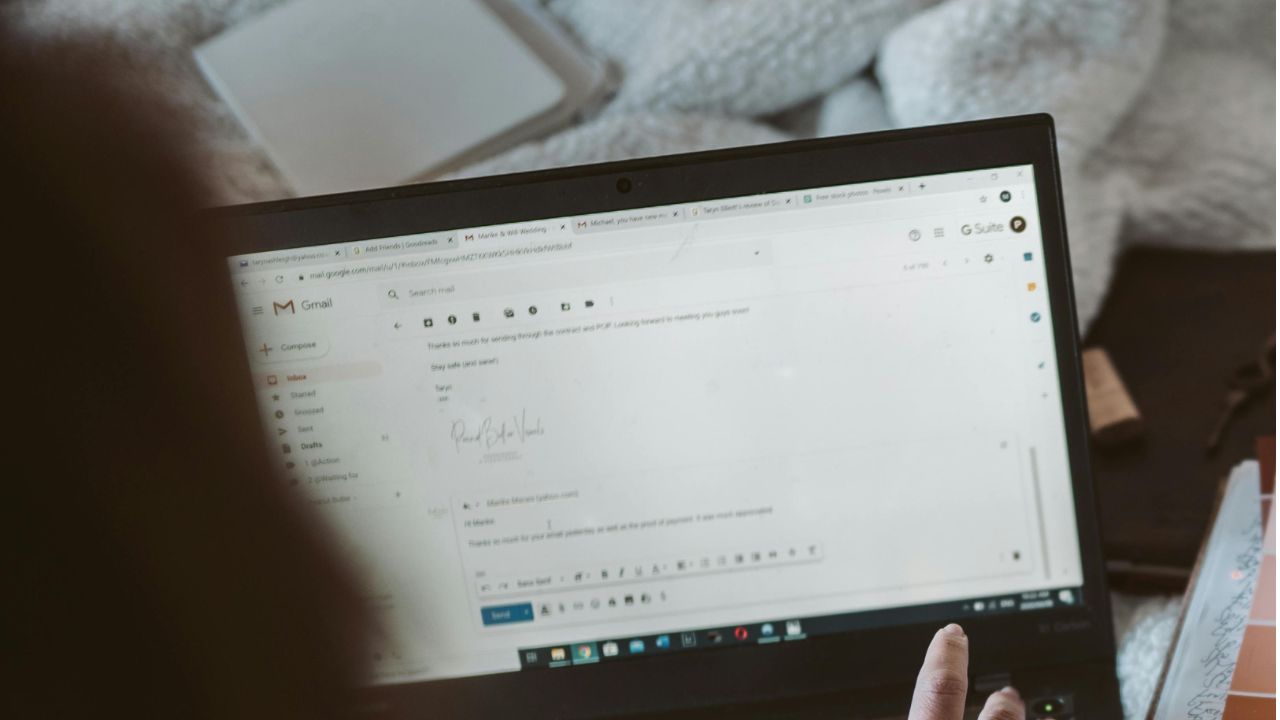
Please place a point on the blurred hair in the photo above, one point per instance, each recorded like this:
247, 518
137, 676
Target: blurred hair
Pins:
159, 568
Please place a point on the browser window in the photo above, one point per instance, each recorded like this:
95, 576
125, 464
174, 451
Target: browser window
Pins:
741, 421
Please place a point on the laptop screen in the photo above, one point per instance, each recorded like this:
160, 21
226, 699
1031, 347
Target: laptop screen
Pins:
676, 429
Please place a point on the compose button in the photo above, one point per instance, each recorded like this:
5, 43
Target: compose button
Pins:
503, 614
287, 349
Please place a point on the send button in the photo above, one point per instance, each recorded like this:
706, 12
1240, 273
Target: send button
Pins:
502, 614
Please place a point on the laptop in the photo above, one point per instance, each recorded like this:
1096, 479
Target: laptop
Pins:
726, 432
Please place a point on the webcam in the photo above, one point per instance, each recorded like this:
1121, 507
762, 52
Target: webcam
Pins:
624, 185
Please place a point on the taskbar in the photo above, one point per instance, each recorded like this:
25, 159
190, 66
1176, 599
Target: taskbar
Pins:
589, 652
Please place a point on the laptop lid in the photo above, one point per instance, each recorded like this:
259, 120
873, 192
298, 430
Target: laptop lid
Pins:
689, 430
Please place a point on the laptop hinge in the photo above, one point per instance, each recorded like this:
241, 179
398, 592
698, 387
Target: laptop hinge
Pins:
992, 682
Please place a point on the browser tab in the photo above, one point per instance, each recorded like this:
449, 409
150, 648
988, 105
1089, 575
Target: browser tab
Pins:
405, 245
742, 206
860, 192
510, 232
627, 219
286, 258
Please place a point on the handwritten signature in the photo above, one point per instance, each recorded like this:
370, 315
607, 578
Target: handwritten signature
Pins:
492, 433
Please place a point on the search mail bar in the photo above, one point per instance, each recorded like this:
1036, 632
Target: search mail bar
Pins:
679, 260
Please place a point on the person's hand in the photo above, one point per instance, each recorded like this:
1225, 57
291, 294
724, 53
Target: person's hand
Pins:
944, 681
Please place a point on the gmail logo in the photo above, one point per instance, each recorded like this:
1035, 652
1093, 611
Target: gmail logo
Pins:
278, 308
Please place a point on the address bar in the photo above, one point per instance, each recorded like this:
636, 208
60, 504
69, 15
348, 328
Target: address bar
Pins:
441, 261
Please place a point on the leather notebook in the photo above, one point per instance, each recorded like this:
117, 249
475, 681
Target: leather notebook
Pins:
1177, 324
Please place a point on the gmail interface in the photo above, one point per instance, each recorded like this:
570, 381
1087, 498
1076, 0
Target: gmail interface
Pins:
749, 420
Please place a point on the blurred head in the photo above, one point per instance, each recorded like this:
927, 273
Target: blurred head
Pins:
158, 569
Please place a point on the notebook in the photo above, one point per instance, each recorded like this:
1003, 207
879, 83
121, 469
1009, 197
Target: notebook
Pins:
1177, 320
1252, 693
351, 95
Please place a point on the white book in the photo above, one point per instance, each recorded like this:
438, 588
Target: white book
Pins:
347, 95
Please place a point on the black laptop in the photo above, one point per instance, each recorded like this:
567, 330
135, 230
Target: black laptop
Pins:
727, 432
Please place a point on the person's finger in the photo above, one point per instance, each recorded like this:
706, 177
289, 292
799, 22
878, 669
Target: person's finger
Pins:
944, 677
1004, 704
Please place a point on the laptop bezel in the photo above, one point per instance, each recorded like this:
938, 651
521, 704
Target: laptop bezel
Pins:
734, 675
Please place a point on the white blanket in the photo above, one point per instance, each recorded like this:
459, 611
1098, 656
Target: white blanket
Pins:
1165, 112
1165, 108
